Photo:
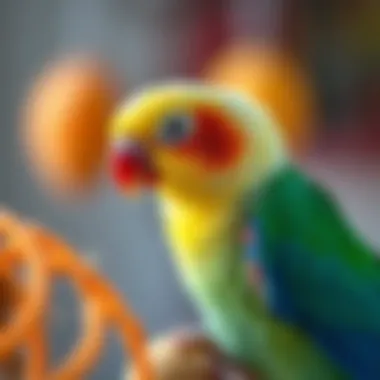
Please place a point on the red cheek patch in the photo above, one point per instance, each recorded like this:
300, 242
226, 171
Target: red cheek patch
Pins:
215, 142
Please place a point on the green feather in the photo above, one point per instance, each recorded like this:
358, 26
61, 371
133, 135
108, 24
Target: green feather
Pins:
339, 280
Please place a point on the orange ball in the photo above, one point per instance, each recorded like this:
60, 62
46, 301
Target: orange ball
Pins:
65, 123
275, 79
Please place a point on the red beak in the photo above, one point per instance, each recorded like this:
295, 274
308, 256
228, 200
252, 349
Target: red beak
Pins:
131, 166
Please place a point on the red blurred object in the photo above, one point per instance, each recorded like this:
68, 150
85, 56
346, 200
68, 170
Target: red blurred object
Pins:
354, 140
360, 136
208, 34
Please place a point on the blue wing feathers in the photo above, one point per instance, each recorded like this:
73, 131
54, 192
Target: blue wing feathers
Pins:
323, 298
348, 330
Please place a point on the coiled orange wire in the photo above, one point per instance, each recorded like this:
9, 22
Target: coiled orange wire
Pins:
46, 257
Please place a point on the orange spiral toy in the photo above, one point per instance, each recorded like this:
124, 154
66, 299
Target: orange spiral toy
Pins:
45, 257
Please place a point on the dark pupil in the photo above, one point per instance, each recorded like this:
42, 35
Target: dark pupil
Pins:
175, 130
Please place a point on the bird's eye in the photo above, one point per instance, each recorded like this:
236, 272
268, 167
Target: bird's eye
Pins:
176, 128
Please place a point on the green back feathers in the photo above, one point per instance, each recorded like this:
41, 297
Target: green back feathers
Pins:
333, 275
293, 206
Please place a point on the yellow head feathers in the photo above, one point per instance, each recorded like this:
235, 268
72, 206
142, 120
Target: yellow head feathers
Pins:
194, 140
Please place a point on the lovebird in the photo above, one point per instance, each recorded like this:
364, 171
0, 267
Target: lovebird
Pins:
281, 281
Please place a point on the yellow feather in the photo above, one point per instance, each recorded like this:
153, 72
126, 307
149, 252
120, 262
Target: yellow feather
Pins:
196, 230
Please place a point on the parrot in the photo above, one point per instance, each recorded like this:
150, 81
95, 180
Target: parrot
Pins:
281, 281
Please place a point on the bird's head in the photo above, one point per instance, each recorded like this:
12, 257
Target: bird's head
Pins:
195, 141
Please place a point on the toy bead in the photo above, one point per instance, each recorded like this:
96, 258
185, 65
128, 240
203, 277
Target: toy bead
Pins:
276, 80
64, 123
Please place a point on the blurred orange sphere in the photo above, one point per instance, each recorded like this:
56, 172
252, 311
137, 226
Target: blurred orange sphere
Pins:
65, 123
275, 79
